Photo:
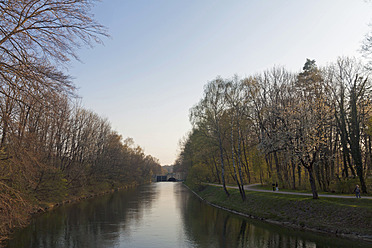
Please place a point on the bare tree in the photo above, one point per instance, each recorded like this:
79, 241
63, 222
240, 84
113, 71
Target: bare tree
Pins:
352, 91
209, 114
36, 34
49, 29
237, 103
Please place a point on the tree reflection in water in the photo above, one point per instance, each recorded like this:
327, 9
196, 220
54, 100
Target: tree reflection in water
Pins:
159, 215
97, 222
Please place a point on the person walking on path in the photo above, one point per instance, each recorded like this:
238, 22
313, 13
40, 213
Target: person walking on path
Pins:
276, 186
357, 191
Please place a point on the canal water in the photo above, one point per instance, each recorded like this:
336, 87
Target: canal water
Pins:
159, 215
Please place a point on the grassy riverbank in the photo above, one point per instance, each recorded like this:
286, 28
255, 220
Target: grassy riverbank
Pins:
345, 217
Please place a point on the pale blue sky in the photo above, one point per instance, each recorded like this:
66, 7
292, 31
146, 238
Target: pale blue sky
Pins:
161, 53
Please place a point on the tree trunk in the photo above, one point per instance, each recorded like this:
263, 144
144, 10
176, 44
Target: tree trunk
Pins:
222, 165
355, 149
341, 122
246, 162
277, 165
240, 170
269, 163
233, 161
217, 171
293, 174
312, 182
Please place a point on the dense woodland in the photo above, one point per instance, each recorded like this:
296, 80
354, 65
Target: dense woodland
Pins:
51, 148
310, 129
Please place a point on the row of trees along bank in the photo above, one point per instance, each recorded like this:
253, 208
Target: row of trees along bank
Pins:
50, 147
311, 128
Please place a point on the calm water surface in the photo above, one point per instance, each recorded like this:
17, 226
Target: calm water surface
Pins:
159, 215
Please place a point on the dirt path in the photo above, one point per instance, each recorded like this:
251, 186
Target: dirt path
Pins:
250, 188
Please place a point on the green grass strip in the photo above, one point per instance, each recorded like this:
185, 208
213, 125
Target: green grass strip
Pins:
347, 217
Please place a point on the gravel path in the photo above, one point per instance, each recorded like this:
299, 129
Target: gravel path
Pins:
250, 188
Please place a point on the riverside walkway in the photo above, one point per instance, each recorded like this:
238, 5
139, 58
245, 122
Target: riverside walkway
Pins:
250, 187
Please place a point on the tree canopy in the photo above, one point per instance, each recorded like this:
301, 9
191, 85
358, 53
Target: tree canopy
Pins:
306, 129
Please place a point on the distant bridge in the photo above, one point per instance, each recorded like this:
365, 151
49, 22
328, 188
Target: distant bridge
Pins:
170, 177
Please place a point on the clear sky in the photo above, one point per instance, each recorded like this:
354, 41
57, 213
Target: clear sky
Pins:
161, 53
